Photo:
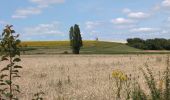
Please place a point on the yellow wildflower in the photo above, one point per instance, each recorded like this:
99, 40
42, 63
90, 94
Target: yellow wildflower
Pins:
119, 75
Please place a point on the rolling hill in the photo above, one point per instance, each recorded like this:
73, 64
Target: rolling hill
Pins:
89, 47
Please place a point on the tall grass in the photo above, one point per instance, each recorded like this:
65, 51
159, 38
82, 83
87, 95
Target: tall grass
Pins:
158, 90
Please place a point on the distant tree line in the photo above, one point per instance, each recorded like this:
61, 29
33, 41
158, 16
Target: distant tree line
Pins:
149, 44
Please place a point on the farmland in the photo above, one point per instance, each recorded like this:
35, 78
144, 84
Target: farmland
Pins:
59, 75
85, 50
83, 77
89, 47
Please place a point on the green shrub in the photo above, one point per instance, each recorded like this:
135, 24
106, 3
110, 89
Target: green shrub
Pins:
11, 53
158, 91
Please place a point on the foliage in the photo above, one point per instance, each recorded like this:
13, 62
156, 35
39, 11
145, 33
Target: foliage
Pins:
149, 44
156, 89
10, 53
38, 96
151, 83
120, 79
167, 81
75, 39
159, 89
138, 93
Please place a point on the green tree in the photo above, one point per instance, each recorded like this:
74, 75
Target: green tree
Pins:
75, 39
149, 44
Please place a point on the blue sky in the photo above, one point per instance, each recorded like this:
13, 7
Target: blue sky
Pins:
109, 20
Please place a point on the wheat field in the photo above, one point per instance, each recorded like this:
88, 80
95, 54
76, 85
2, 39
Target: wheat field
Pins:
81, 77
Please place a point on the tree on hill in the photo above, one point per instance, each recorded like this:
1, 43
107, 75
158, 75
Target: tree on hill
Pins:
149, 44
75, 39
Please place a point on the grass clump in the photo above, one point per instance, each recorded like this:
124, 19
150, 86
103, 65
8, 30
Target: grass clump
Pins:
38, 96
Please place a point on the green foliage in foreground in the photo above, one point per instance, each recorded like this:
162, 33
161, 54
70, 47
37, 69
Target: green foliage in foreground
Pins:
159, 89
11, 53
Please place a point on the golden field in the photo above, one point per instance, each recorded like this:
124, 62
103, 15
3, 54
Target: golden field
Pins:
81, 77
53, 43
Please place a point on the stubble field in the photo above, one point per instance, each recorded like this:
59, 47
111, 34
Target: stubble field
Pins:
81, 77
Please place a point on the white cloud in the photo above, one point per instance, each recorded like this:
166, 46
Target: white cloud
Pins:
41, 4
43, 29
144, 30
164, 32
126, 10
156, 8
125, 26
135, 15
138, 15
121, 21
24, 13
166, 3
92, 24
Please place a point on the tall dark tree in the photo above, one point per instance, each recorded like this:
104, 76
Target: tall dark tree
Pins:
75, 39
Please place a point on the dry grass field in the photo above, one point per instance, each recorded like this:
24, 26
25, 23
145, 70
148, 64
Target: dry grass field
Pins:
82, 77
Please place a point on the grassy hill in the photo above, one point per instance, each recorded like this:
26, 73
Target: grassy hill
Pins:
89, 47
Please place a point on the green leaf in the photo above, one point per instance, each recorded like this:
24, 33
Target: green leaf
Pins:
4, 89
6, 68
18, 52
3, 33
16, 60
8, 82
17, 86
3, 75
16, 66
15, 71
8, 95
15, 99
11, 38
10, 65
4, 58
7, 31
12, 31
17, 41
36, 94
17, 90
16, 76
2, 84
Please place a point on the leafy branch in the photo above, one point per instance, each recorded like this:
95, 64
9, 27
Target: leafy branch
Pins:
11, 53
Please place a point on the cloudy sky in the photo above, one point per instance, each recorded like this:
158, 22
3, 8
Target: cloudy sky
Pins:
111, 20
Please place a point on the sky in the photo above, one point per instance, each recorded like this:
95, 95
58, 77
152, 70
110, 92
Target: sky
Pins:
108, 20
